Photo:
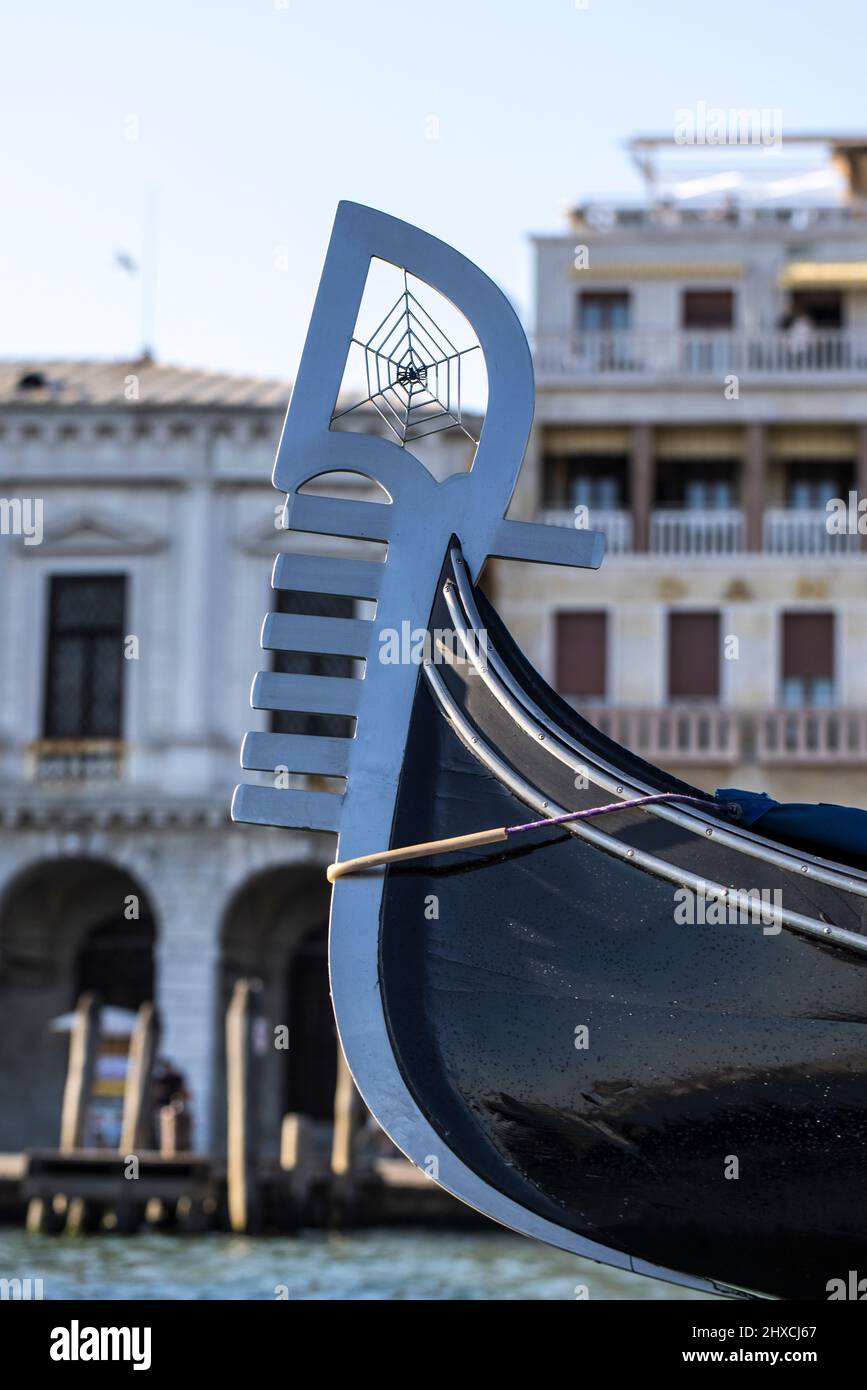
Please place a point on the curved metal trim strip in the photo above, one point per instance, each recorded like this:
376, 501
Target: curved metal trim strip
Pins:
533, 721
531, 796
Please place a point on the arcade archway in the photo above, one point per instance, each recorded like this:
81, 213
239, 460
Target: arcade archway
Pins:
66, 926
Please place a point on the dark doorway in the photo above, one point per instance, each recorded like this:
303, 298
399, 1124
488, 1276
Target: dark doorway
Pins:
824, 308
116, 962
311, 1074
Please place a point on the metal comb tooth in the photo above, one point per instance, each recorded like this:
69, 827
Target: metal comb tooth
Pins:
319, 575
333, 516
294, 809
328, 757
295, 632
273, 690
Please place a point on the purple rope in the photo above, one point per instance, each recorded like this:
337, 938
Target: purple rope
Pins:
614, 806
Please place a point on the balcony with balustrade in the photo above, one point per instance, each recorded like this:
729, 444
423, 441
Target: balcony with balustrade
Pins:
636, 355
709, 735
786, 532
673, 735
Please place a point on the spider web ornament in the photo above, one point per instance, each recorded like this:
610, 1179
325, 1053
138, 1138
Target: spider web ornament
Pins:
413, 373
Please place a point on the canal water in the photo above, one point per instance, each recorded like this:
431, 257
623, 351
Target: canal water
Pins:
390, 1264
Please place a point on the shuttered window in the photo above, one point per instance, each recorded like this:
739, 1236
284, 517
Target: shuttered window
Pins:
84, 667
808, 658
693, 656
708, 309
582, 657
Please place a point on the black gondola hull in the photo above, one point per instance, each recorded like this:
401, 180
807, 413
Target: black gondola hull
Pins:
691, 1094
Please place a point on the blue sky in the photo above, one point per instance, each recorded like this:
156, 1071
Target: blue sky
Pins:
252, 118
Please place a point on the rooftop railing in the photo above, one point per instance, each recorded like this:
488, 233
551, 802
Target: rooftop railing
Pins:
665, 217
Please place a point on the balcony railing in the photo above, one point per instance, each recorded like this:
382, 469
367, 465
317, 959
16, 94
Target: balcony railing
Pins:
64, 761
812, 736
616, 526
681, 531
686, 734
655, 353
803, 533
699, 734
688, 532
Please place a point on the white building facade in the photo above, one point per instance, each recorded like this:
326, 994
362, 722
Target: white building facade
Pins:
129, 639
701, 377
138, 531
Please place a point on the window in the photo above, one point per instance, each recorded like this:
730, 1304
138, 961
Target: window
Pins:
699, 486
705, 310
693, 656
603, 312
808, 659
599, 484
586, 481
582, 655
809, 486
84, 669
313, 664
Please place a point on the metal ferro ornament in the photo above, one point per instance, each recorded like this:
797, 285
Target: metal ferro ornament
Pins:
416, 524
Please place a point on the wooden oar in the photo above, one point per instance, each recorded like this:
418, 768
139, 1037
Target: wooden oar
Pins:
489, 837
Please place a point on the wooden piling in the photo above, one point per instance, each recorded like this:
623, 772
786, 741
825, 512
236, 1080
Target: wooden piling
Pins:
83, 1045
45, 1216
137, 1125
244, 1021
348, 1118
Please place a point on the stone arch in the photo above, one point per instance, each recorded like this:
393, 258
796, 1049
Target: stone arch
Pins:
66, 924
275, 929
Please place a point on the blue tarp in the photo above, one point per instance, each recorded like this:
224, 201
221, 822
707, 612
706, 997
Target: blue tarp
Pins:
835, 831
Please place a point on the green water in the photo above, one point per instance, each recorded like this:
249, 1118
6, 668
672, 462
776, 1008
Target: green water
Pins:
386, 1264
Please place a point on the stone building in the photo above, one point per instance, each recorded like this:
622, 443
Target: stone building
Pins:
138, 529
129, 635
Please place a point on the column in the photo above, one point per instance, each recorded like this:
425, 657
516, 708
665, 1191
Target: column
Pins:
527, 498
642, 482
754, 484
189, 901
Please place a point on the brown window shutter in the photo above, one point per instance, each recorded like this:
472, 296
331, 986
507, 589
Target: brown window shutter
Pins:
808, 645
582, 660
693, 656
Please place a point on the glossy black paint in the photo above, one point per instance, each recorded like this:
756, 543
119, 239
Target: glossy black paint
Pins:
708, 1044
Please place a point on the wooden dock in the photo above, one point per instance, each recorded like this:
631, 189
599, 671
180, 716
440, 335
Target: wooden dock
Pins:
338, 1173
92, 1191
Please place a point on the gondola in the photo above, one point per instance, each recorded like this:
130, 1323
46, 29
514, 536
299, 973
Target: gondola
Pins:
532, 1018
